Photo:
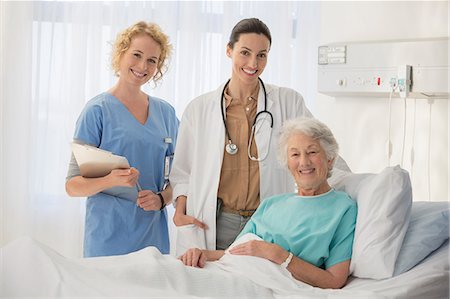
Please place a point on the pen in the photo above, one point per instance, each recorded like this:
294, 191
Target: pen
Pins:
139, 189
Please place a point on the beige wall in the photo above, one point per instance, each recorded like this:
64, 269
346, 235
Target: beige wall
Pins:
361, 124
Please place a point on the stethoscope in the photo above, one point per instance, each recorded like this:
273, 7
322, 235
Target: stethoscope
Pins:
232, 148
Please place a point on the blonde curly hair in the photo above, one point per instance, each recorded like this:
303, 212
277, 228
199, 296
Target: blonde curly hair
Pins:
123, 42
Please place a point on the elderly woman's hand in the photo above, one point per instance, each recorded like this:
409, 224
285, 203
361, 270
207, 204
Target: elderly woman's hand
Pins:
262, 249
194, 257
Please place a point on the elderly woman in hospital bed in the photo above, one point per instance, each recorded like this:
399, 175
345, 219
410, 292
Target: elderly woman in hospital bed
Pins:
310, 233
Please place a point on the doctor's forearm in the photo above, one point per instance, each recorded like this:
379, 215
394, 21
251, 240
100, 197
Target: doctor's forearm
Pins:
181, 205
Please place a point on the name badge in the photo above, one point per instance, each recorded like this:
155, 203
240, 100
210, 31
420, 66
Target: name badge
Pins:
166, 167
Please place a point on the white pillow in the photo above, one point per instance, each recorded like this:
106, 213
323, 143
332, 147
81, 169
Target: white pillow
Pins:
427, 231
384, 206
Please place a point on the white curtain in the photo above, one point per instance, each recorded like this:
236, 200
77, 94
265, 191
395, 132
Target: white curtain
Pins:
55, 56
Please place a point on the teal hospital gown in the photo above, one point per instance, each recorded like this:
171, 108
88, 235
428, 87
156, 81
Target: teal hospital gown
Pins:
114, 224
317, 229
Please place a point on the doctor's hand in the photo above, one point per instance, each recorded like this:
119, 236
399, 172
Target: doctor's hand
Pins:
123, 177
148, 200
194, 257
180, 218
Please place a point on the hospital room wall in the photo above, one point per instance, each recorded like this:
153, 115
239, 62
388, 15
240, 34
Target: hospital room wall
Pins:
361, 124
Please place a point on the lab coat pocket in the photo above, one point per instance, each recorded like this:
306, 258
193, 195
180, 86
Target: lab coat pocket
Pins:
189, 236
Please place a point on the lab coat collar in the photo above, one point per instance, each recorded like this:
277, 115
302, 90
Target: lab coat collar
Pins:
269, 89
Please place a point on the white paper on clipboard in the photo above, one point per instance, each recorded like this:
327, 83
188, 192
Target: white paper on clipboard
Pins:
95, 162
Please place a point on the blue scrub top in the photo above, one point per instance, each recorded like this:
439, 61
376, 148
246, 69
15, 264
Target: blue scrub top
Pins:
115, 225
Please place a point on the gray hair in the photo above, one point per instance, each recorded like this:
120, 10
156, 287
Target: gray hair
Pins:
312, 128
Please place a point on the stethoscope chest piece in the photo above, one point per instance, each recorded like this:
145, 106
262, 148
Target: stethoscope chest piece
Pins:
231, 148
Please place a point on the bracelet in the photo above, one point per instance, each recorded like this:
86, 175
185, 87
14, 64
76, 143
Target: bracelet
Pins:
285, 264
163, 204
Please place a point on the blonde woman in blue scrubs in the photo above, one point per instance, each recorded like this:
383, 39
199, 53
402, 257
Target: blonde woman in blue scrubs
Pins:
126, 121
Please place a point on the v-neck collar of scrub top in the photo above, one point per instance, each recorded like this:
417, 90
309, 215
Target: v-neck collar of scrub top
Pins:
129, 112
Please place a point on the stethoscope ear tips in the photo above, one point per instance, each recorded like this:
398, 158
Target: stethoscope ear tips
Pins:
231, 148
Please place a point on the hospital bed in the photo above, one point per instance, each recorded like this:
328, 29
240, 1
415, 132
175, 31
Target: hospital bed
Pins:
400, 250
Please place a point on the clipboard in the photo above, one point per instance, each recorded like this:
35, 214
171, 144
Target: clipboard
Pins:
94, 162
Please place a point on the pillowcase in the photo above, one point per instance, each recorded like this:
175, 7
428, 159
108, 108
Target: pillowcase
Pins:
384, 206
427, 231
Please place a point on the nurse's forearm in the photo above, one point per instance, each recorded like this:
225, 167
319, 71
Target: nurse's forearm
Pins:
82, 187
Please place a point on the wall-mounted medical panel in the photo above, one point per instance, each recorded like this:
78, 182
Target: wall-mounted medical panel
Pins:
372, 68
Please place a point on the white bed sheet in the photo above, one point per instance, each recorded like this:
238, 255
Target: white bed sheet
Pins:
429, 279
30, 269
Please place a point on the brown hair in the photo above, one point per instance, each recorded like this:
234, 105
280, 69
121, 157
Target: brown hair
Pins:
252, 25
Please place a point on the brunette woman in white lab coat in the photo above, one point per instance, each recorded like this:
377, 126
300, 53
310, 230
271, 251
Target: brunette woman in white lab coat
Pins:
225, 161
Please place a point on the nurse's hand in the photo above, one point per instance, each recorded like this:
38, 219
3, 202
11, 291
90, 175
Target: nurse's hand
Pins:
180, 218
148, 200
124, 177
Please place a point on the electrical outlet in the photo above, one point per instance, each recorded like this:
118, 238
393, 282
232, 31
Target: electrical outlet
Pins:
393, 84
404, 80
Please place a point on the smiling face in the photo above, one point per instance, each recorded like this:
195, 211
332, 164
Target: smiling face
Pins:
308, 163
139, 62
249, 57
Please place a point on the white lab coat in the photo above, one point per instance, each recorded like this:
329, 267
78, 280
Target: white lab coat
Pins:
199, 153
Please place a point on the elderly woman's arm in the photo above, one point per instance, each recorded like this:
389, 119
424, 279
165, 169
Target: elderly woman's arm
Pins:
334, 277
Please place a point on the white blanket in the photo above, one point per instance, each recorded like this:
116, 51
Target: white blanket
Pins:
30, 269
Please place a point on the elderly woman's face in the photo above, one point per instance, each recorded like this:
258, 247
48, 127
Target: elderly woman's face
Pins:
309, 165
